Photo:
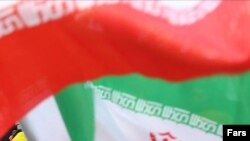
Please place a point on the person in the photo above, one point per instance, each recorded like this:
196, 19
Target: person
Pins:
15, 134
18, 136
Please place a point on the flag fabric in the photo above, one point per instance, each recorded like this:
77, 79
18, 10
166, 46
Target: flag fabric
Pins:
134, 107
126, 70
137, 108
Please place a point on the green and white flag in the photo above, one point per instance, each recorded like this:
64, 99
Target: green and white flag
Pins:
136, 108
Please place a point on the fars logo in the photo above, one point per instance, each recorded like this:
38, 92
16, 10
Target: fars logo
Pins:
179, 12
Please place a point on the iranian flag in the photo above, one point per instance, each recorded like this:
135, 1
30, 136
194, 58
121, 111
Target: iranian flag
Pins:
118, 70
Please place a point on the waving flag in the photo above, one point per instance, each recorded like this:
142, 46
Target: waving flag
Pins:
125, 70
